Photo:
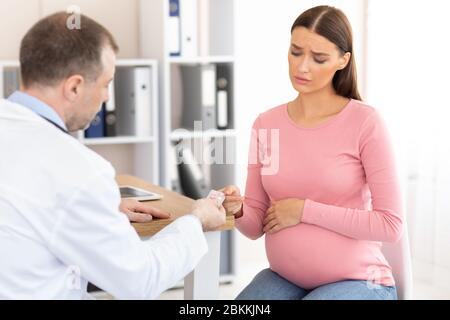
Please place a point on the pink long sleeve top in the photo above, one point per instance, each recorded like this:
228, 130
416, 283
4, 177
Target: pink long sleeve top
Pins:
344, 169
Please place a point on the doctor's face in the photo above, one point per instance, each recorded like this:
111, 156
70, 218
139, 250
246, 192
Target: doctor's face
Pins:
94, 94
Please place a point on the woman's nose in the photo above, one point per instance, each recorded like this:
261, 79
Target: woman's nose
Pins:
303, 65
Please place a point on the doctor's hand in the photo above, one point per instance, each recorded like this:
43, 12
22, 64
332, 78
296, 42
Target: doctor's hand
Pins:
209, 214
139, 212
233, 201
283, 214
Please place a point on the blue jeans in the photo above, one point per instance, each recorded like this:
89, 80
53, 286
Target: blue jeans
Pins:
268, 285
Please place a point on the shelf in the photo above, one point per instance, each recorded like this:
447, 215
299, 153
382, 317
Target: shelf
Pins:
10, 63
136, 62
185, 134
116, 140
201, 60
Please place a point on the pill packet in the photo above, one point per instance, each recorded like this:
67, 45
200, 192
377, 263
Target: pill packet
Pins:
218, 196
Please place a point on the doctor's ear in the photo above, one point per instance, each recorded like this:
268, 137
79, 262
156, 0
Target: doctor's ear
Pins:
73, 87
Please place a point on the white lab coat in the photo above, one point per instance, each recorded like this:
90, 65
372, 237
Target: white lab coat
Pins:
60, 226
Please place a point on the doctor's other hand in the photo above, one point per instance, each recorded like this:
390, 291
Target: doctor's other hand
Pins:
233, 200
139, 212
209, 214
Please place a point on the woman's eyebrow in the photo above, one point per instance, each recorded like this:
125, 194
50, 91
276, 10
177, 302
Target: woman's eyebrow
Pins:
316, 53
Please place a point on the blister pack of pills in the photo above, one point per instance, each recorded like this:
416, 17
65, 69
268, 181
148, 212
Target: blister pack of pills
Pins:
218, 196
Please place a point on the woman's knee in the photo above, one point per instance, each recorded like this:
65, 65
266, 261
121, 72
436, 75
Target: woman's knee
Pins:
265, 275
268, 285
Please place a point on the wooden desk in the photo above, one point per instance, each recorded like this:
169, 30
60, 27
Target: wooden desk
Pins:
203, 281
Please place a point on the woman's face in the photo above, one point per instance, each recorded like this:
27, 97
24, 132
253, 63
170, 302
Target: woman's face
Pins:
313, 61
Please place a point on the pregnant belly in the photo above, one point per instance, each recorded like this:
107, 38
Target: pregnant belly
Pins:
310, 256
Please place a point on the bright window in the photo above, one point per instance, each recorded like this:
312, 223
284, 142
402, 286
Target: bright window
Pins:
408, 71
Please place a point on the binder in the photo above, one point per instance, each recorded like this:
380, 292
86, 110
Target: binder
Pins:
133, 101
110, 115
143, 102
189, 27
174, 28
224, 95
11, 81
192, 179
199, 96
175, 159
97, 126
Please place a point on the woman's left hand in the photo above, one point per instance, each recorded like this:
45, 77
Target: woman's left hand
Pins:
283, 214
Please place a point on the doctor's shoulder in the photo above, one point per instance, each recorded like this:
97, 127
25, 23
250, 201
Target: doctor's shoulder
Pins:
92, 161
73, 160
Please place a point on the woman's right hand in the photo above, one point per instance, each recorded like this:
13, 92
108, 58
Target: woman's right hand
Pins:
233, 200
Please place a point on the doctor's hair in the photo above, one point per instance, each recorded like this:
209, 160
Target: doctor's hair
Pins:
51, 51
332, 24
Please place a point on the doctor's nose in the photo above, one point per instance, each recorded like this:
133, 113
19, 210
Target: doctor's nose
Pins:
106, 98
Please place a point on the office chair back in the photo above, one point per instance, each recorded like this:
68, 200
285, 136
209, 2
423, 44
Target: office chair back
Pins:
399, 257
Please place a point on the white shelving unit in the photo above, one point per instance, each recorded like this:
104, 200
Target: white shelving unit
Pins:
133, 155
216, 34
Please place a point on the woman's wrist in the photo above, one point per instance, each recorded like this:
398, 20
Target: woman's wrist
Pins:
240, 213
301, 208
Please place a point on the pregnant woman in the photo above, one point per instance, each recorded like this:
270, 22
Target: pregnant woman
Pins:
322, 185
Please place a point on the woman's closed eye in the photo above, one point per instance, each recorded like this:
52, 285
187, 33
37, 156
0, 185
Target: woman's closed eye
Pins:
298, 54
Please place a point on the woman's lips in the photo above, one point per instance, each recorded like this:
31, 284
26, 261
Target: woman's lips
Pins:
301, 80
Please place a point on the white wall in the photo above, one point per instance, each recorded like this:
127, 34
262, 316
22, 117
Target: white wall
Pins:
119, 16
13, 25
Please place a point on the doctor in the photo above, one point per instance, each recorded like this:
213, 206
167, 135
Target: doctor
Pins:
60, 224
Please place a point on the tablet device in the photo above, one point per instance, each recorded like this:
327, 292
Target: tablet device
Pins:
130, 192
